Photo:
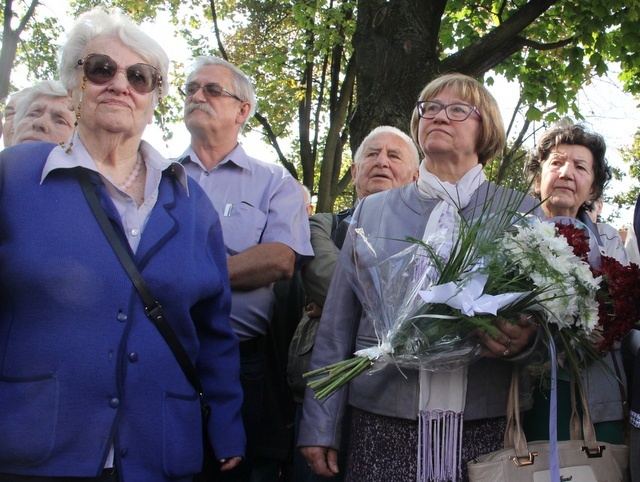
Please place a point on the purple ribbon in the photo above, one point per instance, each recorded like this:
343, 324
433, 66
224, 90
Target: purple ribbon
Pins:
554, 465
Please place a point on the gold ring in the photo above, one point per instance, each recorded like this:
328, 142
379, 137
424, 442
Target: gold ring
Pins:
507, 342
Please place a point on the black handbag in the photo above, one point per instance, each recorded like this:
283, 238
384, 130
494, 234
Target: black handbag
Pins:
154, 312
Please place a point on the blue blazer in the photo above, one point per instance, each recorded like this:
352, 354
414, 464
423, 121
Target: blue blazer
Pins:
82, 368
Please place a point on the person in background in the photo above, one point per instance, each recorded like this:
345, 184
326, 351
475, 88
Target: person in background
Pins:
91, 391
609, 236
569, 171
263, 216
386, 158
9, 114
631, 242
458, 126
307, 199
42, 114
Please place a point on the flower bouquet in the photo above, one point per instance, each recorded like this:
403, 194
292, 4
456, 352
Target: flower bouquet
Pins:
427, 301
618, 291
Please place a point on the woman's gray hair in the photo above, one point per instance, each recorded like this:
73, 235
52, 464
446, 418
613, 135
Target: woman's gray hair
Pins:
46, 88
242, 85
114, 23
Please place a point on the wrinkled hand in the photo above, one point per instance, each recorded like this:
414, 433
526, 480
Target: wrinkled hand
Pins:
228, 464
322, 460
512, 339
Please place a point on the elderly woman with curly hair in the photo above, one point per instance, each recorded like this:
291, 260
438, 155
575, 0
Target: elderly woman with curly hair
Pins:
568, 171
89, 388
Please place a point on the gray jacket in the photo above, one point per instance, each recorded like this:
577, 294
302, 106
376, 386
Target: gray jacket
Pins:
387, 218
600, 383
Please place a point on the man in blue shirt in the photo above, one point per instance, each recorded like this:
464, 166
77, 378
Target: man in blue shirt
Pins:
262, 211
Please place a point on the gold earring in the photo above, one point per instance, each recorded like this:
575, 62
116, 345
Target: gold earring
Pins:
160, 90
69, 148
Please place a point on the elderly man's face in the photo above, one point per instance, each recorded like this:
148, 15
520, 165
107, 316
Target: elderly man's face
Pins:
224, 113
46, 119
386, 162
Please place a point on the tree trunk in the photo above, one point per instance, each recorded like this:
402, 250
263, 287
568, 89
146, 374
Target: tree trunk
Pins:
397, 54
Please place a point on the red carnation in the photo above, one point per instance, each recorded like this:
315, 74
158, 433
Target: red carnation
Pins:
576, 238
618, 297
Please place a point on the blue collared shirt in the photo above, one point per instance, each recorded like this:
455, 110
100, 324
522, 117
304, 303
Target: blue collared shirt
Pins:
258, 202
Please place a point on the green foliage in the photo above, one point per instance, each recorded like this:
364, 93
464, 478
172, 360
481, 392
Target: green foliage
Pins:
298, 52
36, 52
631, 156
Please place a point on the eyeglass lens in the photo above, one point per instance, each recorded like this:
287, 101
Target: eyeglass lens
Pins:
455, 112
100, 69
210, 90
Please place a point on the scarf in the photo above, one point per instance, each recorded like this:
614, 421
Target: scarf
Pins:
443, 393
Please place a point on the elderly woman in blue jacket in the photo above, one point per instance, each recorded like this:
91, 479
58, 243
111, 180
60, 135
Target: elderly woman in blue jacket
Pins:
89, 388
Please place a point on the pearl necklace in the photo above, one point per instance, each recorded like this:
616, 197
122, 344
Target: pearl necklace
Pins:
133, 175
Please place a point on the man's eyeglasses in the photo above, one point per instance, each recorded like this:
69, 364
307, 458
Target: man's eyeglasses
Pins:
458, 112
100, 69
209, 90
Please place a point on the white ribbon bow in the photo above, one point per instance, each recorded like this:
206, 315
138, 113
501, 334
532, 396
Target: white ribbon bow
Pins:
469, 299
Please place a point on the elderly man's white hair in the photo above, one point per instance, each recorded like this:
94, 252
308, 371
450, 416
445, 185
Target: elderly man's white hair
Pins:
46, 88
242, 85
387, 130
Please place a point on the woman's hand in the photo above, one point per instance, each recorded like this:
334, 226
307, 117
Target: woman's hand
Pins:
322, 460
230, 463
512, 339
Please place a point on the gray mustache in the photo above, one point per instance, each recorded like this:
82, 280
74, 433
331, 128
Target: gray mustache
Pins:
199, 106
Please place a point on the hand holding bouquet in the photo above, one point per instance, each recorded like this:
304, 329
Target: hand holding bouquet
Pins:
427, 305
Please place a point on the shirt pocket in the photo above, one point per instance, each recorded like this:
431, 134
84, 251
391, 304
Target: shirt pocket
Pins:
242, 227
28, 420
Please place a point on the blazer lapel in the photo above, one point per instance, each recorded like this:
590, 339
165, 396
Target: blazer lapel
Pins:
162, 225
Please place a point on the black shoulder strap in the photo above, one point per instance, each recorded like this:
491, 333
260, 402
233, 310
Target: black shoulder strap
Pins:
152, 307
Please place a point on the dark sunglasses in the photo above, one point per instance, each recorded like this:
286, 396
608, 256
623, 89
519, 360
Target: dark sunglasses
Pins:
209, 90
100, 69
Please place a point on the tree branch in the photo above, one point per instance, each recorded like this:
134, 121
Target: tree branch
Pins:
498, 44
216, 30
273, 140
552, 46
26, 18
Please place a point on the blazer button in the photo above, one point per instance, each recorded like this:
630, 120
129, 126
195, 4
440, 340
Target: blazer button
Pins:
133, 357
121, 316
114, 402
